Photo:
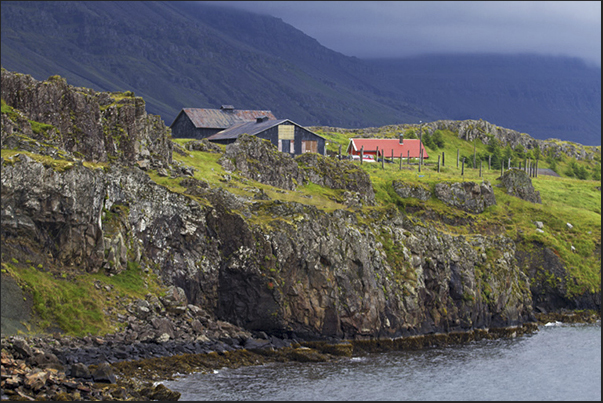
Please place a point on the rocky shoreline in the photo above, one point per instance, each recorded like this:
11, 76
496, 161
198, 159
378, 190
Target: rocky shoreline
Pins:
111, 368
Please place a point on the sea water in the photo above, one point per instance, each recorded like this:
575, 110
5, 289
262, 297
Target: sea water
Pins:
556, 363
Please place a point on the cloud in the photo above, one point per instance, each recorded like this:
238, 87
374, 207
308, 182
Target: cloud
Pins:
369, 29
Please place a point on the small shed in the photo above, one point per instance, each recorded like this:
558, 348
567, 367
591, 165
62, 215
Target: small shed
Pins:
401, 147
197, 123
286, 135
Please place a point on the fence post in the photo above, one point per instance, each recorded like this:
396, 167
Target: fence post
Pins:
502, 167
489, 162
480, 168
400, 160
443, 159
340, 152
463, 167
361, 154
438, 164
408, 157
509, 165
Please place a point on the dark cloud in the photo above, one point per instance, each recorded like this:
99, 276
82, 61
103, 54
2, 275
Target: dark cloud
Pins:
404, 28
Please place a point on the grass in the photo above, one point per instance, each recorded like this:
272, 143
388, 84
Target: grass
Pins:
72, 303
207, 168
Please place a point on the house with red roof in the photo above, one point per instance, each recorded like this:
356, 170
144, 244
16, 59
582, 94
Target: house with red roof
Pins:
405, 148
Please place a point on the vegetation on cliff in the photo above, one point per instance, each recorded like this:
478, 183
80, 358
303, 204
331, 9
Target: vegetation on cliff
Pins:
338, 253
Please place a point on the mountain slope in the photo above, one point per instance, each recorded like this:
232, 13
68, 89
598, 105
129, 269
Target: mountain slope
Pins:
187, 54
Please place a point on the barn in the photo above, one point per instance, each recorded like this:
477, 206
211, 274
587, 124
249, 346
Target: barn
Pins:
288, 136
197, 123
405, 148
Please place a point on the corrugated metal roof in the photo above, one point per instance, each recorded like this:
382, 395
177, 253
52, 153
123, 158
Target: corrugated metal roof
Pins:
223, 118
386, 146
251, 128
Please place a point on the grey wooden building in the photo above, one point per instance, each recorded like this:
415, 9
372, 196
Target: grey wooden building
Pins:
287, 136
198, 123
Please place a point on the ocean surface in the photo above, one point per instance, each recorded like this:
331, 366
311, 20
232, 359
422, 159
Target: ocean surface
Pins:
557, 363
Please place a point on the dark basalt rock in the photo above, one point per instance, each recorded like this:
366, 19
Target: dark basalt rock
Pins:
104, 373
467, 196
519, 184
417, 191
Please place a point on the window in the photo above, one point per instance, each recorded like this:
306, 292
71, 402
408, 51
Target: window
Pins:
286, 132
309, 146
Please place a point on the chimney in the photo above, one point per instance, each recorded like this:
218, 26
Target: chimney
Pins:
401, 138
227, 108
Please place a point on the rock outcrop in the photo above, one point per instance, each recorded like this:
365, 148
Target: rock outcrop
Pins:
89, 125
335, 174
467, 196
260, 160
416, 191
519, 184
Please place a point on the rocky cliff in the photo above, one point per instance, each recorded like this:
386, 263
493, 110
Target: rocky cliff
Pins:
261, 264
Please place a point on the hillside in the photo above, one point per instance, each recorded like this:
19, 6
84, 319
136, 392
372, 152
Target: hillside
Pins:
185, 54
94, 192
128, 257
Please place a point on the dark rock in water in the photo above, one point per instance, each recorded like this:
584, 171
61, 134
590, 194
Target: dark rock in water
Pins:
104, 373
519, 184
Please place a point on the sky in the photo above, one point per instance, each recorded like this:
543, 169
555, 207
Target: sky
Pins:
374, 29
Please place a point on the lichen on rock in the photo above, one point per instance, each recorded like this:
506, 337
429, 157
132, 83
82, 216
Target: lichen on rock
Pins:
468, 196
518, 184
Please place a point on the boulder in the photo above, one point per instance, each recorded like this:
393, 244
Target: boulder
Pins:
518, 184
104, 373
417, 191
79, 370
260, 160
467, 196
336, 174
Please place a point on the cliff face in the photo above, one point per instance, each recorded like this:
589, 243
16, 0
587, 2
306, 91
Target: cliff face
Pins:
268, 265
94, 126
306, 271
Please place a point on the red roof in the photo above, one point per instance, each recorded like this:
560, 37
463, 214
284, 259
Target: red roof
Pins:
386, 146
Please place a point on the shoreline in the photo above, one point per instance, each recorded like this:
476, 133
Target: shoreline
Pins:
33, 369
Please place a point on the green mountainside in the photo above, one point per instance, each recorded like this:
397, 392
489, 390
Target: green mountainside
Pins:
188, 54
